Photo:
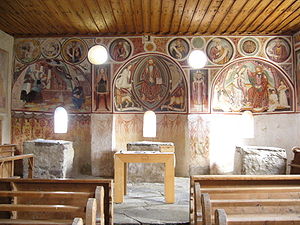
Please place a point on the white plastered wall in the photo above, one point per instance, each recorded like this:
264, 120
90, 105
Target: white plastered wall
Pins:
7, 44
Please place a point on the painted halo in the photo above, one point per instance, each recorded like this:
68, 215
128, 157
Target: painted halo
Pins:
219, 50
50, 48
178, 48
120, 49
27, 51
74, 50
278, 50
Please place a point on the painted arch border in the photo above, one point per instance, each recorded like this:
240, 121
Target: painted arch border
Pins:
128, 61
285, 77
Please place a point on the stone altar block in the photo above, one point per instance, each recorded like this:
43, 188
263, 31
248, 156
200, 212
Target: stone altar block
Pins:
257, 160
148, 172
53, 158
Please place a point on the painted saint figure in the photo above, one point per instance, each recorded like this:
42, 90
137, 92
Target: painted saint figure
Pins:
151, 82
77, 94
74, 52
178, 49
258, 94
219, 53
101, 88
120, 51
198, 88
278, 52
283, 100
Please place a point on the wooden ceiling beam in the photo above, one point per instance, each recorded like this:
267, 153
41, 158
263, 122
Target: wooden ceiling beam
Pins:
31, 13
10, 28
128, 16
281, 9
118, 14
250, 19
97, 16
167, 10
53, 12
17, 18
289, 22
200, 11
241, 17
187, 16
220, 16
294, 8
146, 6
43, 13
231, 15
85, 15
136, 6
66, 13
155, 12
105, 8
209, 15
177, 14
272, 8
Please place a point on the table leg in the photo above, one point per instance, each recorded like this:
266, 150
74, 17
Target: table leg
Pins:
119, 180
170, 180
125, 178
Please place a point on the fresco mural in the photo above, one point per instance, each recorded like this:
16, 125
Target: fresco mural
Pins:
179, 48
50, 48
198, 42
3, 80
47, 84
150, 82
249, 46
101, 88
254, 85
120, 49
199, 90
27, 50
32, 126
278, 50
74, 50
297, 54
219, 50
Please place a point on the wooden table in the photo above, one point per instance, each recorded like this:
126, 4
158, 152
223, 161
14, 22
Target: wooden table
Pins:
121, 160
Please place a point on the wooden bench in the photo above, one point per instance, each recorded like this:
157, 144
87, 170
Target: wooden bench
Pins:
48, 213
221, 218
240, 187
241, 211
45, 191
7, 159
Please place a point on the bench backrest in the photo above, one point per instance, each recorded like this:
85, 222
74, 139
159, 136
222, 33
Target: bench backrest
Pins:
216, 186
78, 190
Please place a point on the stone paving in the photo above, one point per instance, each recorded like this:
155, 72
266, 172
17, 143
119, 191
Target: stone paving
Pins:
145, 204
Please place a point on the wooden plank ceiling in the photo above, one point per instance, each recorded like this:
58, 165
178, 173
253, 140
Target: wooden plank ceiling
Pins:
149, 17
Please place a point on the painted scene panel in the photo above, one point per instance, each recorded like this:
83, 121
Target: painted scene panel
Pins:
47, 84
253, 85
150, 82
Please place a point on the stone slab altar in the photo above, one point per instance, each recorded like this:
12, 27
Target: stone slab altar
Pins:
258, 160
151, 146
148, 172
53, 158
